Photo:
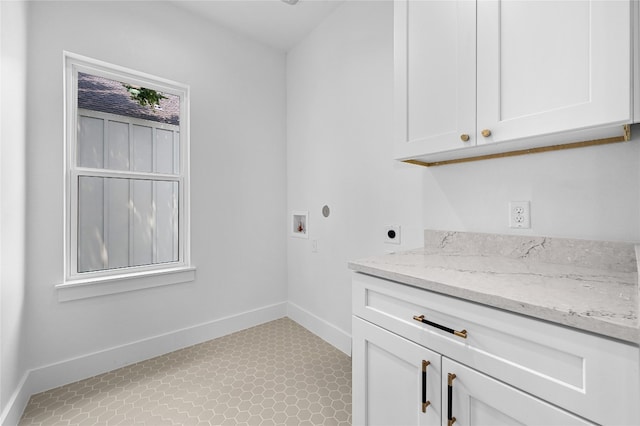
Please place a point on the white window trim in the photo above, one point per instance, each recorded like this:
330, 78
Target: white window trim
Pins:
97, 283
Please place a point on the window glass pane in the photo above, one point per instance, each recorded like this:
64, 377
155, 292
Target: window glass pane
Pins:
91, 256
97, 93
142, 149
117, 220
118, 145
142, 232
164, 151
126, 222
166, 202
90, 142
135, 127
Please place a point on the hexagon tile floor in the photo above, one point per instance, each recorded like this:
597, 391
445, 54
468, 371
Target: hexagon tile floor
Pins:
272, 374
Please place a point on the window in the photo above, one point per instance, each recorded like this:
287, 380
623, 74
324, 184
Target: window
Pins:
127, 179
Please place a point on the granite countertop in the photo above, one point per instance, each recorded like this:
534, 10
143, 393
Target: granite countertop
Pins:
588, 285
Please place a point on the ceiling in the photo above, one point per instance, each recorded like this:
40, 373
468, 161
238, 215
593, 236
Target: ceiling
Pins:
271, 22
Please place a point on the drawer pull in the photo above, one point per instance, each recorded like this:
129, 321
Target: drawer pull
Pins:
421, 318
450, 419
425, 403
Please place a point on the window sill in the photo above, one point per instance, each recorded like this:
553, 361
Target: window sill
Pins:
94, 287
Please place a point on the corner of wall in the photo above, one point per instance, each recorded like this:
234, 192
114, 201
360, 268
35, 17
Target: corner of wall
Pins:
13, 66
17, 403
321, 328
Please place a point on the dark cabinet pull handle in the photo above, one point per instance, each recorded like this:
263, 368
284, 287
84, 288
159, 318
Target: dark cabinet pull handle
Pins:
422, 319
450, 419
425, 403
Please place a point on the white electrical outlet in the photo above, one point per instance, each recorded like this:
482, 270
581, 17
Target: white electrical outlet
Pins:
519, 214
392, 234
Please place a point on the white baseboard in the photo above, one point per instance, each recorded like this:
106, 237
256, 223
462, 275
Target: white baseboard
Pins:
10, 416
61, 373
321, 328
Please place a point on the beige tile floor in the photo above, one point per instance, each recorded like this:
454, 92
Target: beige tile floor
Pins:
275, 373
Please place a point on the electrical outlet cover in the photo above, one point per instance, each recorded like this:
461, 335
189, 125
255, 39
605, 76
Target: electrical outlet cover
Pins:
392, 234
519, 214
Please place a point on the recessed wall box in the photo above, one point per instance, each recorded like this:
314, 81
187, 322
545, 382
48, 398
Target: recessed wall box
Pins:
299, 224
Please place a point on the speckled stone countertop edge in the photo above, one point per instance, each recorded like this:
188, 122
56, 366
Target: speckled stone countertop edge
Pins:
583, 284
626, 333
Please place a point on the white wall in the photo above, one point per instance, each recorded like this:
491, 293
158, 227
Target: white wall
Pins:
238, 172
339, 153
589, 193
12, 194
339, 150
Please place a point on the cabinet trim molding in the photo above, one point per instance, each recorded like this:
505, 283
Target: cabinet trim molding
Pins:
625, 137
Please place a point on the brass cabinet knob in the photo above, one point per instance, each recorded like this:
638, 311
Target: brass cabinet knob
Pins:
464, 137
486, 133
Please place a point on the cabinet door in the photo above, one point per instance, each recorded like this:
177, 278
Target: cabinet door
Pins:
434, 91
477, 400
552, 66
388, 379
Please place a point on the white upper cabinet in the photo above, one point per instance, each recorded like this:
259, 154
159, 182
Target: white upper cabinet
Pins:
471, 74
552, 66
435, 75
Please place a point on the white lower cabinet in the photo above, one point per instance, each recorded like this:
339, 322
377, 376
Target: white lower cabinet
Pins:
389, 387
477, 399
509, 369
397, 382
